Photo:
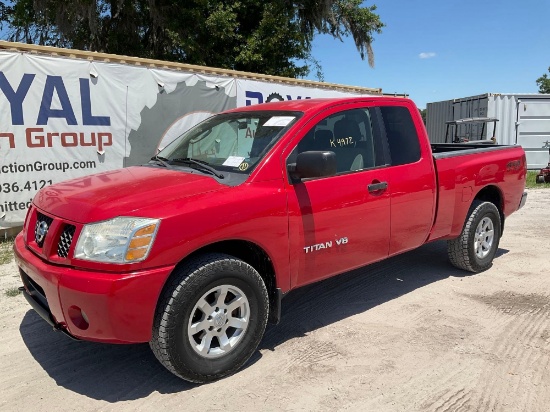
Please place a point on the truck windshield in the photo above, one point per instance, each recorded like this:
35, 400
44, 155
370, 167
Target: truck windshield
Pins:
232, 142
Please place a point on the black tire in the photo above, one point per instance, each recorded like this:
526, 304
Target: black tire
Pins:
463, 252
173, 341
540, 179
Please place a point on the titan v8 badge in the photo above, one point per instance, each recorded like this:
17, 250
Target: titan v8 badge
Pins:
325, 245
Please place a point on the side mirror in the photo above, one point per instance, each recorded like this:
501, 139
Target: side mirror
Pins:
313, 164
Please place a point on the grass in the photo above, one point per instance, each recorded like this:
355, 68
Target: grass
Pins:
6, 251
531, 183
11, 292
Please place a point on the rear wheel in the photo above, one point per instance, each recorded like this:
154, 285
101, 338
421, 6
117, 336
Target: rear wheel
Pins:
476, 246
540, 179
210, 318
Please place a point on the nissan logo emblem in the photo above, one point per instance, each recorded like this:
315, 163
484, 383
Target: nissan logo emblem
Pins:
40, 232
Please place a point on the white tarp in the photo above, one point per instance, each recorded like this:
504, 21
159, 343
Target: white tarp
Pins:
254, 92
63, 118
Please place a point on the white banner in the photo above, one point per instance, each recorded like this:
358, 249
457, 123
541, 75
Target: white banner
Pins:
65, 118
251, 92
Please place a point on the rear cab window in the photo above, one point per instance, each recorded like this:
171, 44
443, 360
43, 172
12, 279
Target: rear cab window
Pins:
401, 135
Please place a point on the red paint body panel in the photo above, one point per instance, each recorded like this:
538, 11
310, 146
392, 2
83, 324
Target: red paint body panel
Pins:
328, 210
120, 192
461, 178
254, 212
424, 201
413, 193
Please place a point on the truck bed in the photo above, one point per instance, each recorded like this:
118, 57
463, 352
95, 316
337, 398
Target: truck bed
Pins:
445, 150
462, 170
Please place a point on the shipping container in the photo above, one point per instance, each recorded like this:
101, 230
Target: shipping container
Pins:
523, 119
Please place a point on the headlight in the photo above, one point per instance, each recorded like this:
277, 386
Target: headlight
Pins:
119, 240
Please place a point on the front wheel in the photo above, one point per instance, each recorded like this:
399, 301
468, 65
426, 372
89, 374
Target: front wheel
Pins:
210, 318
477, 245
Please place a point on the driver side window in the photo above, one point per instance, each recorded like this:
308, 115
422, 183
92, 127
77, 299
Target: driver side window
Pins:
349, 134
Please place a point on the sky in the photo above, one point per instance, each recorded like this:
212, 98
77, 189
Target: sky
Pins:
437, 50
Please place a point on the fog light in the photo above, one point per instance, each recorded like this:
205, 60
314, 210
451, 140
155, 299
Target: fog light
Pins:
78, 318
85, 317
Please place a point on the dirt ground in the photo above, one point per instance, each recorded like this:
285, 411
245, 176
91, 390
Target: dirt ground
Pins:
408, 334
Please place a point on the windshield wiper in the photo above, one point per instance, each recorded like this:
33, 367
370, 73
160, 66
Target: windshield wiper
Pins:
161, 160
199, 164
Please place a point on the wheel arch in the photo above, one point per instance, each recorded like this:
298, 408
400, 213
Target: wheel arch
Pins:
248, 252
493, 195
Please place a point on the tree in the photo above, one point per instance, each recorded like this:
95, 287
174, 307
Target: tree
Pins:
423, 114
272, 36
544, 83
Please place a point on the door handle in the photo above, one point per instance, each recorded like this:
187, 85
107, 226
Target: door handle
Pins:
377, 187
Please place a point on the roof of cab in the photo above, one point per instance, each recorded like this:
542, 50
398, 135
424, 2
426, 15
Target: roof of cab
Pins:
304, 105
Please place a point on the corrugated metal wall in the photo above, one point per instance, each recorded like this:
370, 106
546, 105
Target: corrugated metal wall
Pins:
436, 115
440, 112
503, 107
524, 119
533, 129
475, 106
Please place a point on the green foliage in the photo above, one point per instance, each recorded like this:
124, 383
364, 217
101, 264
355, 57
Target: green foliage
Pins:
6, 251
543, 83
531, 182
423, 114
272, 37
12, 292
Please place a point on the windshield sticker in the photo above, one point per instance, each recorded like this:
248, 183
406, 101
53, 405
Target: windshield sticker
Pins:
233, 161
279, 121
243, 166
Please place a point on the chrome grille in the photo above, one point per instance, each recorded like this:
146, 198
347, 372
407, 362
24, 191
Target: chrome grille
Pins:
43, 223
65, 241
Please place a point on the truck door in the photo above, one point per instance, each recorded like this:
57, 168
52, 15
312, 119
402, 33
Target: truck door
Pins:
411, 177
340, 222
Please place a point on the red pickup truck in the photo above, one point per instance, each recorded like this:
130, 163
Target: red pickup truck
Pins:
193, 251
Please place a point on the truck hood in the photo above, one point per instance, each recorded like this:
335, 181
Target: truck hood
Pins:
120, 192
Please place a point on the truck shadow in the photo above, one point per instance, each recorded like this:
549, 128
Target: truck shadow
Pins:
115, 373
100, 371
320, 304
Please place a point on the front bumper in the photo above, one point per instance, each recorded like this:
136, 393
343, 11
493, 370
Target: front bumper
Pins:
91, 305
